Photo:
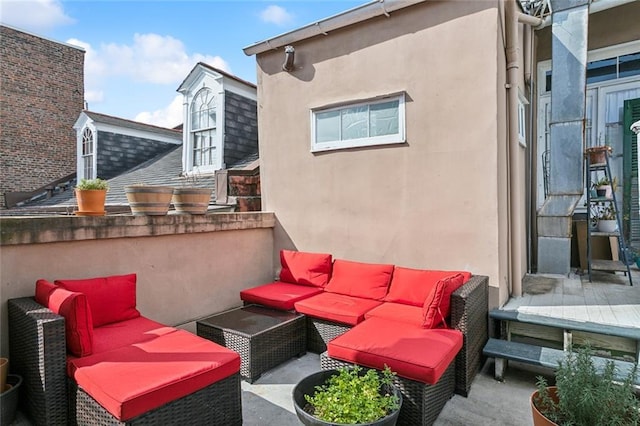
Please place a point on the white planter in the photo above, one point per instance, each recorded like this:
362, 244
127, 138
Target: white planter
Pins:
607, 225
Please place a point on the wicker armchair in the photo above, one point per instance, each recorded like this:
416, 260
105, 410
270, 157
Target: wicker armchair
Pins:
38, 353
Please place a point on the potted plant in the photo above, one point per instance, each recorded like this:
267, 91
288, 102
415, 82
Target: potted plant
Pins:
91, 195
348, 396
191, 198
604, 187
149, 200
605, 216
598, 154
583, 396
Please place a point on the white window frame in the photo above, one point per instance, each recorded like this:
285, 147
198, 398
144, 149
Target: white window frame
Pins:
88, 161
396, 138
214, 147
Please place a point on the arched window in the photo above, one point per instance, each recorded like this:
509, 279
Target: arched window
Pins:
203, 128
88, 153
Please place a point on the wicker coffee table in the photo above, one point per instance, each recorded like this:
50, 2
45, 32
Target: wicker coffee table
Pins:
263, 337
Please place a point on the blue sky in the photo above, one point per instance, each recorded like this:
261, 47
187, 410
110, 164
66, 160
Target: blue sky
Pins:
138, 52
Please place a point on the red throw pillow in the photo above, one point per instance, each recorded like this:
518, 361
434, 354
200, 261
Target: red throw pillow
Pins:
410, 286
112, 299
75, 309
366, 280
432, 314
312, 269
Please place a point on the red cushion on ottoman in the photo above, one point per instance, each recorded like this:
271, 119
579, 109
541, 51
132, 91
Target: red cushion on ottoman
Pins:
134, 379
412, 352
336, 307
278, 295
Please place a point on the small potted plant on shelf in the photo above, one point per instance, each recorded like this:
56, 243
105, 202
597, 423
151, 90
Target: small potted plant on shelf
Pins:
605, 216
348, 396
598, 154
605, 187
91, 196
585, 396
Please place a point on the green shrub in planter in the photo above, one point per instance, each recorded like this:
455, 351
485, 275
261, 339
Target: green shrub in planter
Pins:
353, 398
586, 397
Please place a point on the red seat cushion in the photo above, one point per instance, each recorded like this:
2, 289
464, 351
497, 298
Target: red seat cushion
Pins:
124, 333
278, 295
398, 312
112, 299
336, 307
312, 269
412, 352
132, 380
74, 307
366, 280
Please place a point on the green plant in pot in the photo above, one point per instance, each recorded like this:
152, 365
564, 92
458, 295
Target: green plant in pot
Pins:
348, 396
585, 396
91, 196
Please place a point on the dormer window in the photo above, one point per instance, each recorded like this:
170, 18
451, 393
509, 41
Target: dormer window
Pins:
88, 154
203, 129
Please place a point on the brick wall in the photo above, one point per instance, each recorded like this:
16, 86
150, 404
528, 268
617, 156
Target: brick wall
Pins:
119, 153
241, 128
246, 190
41, 96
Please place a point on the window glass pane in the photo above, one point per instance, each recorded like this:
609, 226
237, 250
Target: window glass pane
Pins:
384, 118
328, 126
630, 65
601, 70
354, 123
547, 81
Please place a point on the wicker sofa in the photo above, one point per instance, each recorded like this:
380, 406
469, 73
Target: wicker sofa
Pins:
349, 304
104, 363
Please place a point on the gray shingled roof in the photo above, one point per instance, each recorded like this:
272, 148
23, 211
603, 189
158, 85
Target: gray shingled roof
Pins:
121, 122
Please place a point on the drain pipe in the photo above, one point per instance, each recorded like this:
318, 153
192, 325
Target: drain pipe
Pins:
516, 209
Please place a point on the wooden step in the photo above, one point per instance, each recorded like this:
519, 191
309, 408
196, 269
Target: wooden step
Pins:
565, 324
608, 265
545, 357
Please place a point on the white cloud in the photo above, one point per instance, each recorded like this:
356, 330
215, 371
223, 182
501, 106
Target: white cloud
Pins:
276, 15
34, 15
150, 58
169, 116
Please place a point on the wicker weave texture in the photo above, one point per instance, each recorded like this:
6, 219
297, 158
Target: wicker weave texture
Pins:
261, 352
469, 314
320, 332
217, 404
421, 402
38, 353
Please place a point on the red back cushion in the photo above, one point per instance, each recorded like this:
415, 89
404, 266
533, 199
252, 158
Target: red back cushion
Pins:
74, 307
112, 299
437, 305
412, 286
366, 280
313, 269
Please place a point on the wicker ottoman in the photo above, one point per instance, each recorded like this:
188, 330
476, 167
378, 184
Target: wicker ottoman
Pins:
263, 337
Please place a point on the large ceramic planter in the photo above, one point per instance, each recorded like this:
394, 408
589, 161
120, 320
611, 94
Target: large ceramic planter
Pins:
307, 386
149, 200
607, 225
191, 200
538, 418
9, 399
90, 202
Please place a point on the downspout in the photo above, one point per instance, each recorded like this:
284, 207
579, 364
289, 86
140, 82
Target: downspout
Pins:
516, 210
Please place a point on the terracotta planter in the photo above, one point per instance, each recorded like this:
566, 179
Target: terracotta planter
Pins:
149, 200
9, 399
4, 369
538, 418
90, 202
597, 154
191, 200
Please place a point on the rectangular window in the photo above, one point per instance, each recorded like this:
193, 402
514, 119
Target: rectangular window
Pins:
373, 122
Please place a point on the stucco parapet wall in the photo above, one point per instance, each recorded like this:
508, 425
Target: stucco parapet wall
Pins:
53, 229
